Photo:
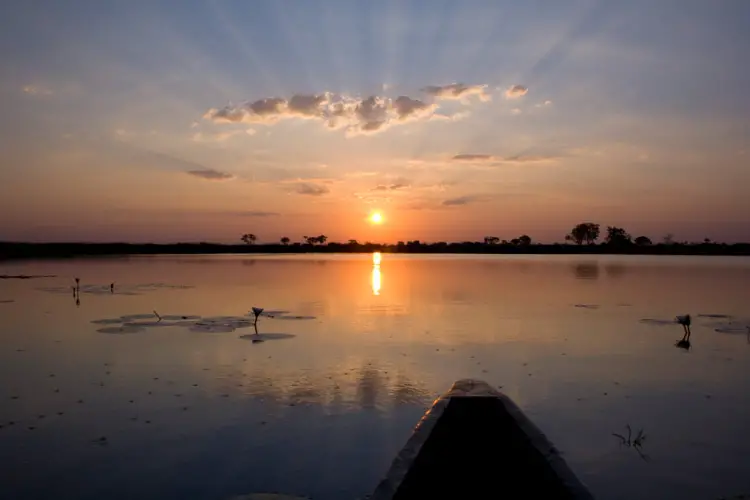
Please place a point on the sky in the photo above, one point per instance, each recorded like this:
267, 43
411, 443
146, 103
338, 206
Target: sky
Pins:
166, 121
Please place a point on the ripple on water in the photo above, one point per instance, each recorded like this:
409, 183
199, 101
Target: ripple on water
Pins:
657, 322
587, 306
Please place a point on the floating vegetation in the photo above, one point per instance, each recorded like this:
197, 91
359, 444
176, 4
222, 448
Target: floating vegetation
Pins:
587, 306
212, 328
112, 321
714, 316
262, 337
635, 443
135, 323
25, 276
109, 289
121, 329
7, 301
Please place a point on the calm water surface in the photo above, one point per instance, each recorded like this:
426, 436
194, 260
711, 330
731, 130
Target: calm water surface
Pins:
174, 410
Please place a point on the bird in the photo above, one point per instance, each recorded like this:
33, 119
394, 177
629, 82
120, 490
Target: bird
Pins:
685, 321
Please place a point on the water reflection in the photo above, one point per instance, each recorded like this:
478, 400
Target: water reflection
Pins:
376, 258
586, 270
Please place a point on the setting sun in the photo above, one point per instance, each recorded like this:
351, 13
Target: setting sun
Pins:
376, 218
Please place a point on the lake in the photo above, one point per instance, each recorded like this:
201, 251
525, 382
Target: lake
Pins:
355, 349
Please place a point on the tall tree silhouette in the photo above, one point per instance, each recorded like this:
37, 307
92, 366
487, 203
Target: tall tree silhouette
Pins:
585, 232
249, 238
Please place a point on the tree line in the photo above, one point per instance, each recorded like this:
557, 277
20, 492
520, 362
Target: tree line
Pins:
584, 233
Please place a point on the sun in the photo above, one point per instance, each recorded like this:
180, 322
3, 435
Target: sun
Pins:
376, 218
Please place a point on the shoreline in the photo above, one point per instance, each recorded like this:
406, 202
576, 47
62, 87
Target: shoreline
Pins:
21, 251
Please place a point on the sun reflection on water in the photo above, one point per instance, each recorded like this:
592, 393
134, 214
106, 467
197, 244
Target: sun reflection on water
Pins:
376, 258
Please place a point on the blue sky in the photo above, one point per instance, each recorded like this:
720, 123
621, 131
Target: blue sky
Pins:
156, 121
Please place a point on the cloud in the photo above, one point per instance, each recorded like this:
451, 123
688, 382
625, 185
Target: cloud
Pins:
36, 90
516, 111
203, 137
457, 91
311, 189
210, 174
355, 115
473, 157
516, 91
500, 160
255, 213
393, 186
463, 200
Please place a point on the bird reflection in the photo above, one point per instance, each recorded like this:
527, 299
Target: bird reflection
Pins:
376, 258
685, 321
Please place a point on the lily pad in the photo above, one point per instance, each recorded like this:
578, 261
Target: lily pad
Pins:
296, 318
262, 337
107, 321
120, 329
209, 328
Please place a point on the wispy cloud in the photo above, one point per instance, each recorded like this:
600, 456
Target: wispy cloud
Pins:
473, 157
516, 91
457, 91
464, 200
36, 90
488, 159
204, 137
254, 213
393, 186
210, 174
310, 189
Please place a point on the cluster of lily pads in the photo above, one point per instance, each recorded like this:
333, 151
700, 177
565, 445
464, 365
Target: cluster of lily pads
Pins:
136, 323
112, 288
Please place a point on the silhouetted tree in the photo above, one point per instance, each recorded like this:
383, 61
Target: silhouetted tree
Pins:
515, 242
707, 240
491, 240
249, 238
668, 239
617, 236
285, 241
643, 241
321, 239
584, 232
525, 240
353, 242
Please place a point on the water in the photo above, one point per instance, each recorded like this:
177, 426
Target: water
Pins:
320, 407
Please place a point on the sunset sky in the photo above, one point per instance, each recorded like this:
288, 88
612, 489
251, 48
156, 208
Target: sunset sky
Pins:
174, 121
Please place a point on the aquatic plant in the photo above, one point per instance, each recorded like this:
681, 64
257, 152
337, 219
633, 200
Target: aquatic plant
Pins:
635, 443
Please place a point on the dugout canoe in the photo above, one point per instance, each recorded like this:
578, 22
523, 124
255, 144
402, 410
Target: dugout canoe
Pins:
475, 443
